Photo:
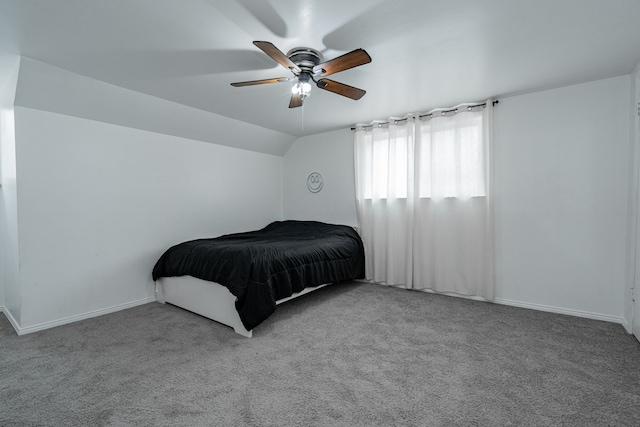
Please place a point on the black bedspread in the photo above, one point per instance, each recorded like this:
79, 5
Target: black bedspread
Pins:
263, 266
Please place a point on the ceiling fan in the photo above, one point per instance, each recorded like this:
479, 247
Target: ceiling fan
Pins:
307, 66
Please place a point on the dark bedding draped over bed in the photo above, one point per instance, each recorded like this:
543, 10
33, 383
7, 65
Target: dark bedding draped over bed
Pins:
263, 266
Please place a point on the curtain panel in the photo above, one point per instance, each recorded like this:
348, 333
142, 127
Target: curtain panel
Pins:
424, 204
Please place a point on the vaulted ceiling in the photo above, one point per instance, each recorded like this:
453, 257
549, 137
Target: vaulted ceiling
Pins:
426, 53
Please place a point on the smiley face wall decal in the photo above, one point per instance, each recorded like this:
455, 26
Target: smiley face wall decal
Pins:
315, 182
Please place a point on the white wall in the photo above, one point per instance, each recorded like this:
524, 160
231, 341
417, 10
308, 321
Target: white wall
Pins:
331, 155
9, 280
632, 308
561, 158
561, 215
99, 203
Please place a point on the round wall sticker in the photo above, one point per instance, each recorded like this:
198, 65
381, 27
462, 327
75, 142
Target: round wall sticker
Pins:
315, 182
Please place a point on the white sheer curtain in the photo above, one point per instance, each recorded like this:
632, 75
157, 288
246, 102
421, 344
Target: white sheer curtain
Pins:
424, 201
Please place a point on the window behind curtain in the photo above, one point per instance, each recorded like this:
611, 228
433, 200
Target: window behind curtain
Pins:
447, 156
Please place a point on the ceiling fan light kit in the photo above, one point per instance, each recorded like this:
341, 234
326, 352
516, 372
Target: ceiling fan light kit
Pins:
302, 86
309, 66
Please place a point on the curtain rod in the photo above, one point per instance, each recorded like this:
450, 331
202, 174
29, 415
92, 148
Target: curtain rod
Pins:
444, 112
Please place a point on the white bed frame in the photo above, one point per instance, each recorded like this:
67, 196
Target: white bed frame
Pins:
208, 299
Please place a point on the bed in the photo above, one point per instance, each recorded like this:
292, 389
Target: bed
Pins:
239, 279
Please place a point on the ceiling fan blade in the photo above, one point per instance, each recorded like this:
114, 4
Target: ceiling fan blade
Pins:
277, 55
296, 101
352, 59
259, 82
341, 89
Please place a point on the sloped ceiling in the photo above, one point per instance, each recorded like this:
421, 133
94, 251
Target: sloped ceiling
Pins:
50, 88
426, 53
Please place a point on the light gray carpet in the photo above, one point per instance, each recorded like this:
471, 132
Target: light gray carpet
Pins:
348, 355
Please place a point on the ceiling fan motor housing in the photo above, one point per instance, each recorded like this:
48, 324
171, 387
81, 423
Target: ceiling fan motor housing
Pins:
305, 58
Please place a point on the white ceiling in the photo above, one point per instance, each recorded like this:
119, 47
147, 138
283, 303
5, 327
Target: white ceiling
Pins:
426, 53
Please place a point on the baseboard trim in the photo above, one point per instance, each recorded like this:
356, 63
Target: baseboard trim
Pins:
559, 310
626, 325
501, 301
531, 306
10, 318
84, 316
